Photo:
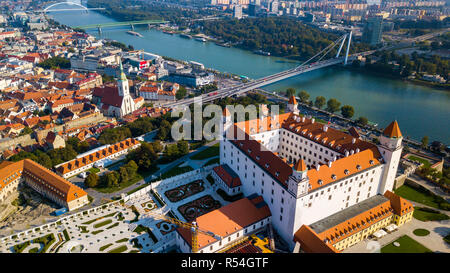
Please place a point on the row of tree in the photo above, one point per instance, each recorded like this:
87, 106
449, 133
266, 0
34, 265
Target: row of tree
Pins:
113, 178
281, 36
332, 105
54, 157
393, 64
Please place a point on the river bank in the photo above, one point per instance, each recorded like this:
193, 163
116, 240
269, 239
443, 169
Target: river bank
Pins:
380, 99
445, 87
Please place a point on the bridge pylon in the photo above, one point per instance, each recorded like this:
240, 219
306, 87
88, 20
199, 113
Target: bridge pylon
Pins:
348, 47
341, 46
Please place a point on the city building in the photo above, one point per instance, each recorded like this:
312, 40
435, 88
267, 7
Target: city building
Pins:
115, 100
87, 160
354, 224
306, 170
42, 180
237, 12
373, 30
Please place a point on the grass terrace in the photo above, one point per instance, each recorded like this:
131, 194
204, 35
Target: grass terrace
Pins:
420, 196
422, 160
212, 161
407, 245
207, 153
426, 214
176, 171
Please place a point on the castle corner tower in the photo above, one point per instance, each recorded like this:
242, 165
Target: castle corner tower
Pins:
390, 148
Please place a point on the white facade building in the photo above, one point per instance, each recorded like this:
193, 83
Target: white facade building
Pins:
305, 170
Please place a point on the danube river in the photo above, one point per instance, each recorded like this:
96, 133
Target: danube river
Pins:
419, 110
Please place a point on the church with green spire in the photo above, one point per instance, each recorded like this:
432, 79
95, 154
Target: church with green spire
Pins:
115, 100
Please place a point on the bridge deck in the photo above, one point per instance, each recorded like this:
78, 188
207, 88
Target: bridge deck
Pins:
126, 23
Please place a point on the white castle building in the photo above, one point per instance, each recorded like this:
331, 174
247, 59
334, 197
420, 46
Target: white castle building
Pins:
305, 170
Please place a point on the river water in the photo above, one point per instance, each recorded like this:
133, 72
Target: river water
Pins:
419, 110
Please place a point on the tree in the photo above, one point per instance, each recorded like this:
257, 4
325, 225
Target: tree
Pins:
333, 105
362, 121
164, 130
145, 156
347, 111
124, 176
320, 102
183, 147
91, 180
157, 146
26, 131
424, 141
112, 179
131, 168
171, 151
181, 93
290, 92
304, 96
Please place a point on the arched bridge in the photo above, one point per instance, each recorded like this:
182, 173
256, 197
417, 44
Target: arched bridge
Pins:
80, 7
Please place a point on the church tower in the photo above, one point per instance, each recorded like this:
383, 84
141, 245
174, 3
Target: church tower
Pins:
122, 83
292, 105
127, 106
390, 148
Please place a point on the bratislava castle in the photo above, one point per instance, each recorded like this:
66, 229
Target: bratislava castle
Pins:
307, 171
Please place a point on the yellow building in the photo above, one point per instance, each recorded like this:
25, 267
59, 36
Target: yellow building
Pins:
354, 224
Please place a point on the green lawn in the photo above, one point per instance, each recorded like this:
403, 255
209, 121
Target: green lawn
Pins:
121, 186
122, 240
176, 171
104, 247
421, 232
96, 232
425, 162
119, 249
212, 161
407, 245
207, 153
424, 215
419, 196
104, 223
46, 240
94, 170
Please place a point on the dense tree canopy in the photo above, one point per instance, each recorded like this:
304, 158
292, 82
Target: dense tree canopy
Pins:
281, 36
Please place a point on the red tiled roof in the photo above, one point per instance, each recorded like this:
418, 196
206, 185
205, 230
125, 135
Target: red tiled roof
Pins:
228, 176
393, 130
225, 221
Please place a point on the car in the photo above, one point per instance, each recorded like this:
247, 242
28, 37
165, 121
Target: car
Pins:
83, 175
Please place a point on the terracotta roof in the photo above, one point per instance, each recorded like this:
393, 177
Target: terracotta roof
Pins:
392, 130
109, 95
300, 166
228, 176
226, 220
400, 205
95, 156
350, 221
292, 100
342, 168
50, 181
324, 135
310, 241
267, 160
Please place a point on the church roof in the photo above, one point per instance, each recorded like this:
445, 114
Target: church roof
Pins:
109, 95
292, 100
392, 130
